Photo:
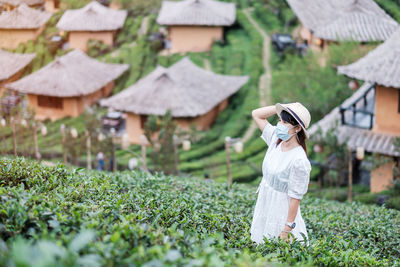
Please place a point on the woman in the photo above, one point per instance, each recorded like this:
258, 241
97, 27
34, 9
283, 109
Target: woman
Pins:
286, 173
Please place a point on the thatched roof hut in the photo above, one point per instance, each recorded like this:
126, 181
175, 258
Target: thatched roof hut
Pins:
197, 12
20, 2
381, 65
13, 63
92, 17
185, 88
372, 141
23, 17
343, 20
74, 74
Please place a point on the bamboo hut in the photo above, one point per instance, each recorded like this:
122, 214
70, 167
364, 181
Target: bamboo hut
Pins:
21, 25
342, 20
92, 22
193, 95
370, 118
68, 84
12, 67
193, 25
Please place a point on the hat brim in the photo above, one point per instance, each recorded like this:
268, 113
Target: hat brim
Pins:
279, 107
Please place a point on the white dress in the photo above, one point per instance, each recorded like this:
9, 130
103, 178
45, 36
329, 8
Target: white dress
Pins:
285, 175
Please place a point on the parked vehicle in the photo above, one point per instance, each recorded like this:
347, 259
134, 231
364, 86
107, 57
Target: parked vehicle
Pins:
114, 120
283, 43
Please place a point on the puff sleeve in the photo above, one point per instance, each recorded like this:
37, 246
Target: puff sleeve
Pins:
268, 133
299, 178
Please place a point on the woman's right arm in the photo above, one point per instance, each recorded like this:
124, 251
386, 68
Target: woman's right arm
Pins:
261, 114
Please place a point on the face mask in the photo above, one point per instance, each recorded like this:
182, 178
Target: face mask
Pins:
282, 132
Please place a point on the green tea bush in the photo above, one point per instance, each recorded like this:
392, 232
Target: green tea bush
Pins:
133, 218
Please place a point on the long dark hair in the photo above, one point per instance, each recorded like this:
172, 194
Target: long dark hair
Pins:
300, 135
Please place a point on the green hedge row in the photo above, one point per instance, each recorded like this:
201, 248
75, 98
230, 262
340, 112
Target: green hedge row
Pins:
55, 216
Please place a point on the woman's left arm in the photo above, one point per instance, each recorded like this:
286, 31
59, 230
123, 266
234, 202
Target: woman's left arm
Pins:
299, 179
293, 206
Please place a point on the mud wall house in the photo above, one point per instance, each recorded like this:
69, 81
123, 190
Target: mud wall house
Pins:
370, 118
342, 20
193, 25
194, 95
65, 86
21, 25
12, 67
116, 5
92, 22
52, 5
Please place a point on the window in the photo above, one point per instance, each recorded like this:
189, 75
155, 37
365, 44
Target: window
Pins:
50, 102
143, 119
398, 107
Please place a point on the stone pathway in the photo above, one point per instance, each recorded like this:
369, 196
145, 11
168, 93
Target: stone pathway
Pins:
264, 85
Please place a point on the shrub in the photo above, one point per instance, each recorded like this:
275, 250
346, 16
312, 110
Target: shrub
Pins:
136, 218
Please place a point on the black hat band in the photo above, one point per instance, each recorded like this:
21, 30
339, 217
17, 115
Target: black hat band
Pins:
297, 117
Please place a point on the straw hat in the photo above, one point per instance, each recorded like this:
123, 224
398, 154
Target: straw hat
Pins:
299, 113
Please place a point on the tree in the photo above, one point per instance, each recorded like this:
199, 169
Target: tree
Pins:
160, 131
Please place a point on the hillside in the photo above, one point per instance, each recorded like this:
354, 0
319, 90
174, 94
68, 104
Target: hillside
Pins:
240, 54
293, 78
57, 216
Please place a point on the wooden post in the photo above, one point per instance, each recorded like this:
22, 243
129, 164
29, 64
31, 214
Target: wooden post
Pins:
4, 145
143, 143
228, 159
350, 176
88, 146
176, 156
144, 157
63, 144
35, 143
114, 166
13, 136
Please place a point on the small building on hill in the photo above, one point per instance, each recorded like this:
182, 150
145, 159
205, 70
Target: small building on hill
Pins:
8, 5
193, 95
12, 66
371, 117
342, 20
193, 25
92, 22
21, 25
65, 86
49, 5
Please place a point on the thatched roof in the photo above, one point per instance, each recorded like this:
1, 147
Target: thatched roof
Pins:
342, 20
12, 63
381, 65
20, 2
197, 12
23, 17
74, 74
185, 88
371, 141
92, 17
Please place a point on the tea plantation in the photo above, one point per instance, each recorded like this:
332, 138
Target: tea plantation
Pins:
54, 216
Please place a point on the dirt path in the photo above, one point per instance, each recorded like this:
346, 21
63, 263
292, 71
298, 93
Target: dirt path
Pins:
144, 26
207, 64
264, 85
